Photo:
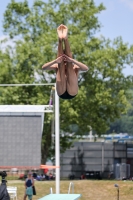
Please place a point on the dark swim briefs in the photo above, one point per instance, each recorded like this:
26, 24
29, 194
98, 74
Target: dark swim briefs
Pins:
66, 95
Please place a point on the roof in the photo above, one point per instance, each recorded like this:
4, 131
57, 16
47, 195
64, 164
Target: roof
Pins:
24, 108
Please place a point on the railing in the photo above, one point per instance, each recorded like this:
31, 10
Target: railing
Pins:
71, 186
51, 191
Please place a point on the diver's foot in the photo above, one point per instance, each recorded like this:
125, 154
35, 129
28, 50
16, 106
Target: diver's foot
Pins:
64, 32
59, 32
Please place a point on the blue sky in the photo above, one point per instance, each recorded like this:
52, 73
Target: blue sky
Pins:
116, 20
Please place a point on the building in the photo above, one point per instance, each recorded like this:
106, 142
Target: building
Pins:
101, 158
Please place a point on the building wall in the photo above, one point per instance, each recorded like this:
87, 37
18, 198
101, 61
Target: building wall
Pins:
93, 156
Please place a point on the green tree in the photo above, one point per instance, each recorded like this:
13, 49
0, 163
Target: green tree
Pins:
125, 123
102, 93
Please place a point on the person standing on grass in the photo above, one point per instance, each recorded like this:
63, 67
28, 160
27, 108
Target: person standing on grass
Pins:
29, 183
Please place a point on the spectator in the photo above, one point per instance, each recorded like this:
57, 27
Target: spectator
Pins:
38, 178
34, 175
82, 176
29, 182
51, 176
43, 177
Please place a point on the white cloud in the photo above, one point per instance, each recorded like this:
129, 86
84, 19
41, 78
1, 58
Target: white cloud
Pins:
128, 3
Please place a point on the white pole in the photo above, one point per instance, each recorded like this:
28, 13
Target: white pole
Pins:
25, 84
57, 142
90, 134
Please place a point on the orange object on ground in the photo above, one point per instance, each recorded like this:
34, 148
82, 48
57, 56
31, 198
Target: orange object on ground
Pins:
30, 167
48, 167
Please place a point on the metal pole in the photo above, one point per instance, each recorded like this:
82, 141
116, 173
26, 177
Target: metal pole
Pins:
57, 143
102, 158
117, 186
25, 84
118, 194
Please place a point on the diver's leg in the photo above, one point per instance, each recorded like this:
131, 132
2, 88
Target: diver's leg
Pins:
60, 73
72, 74
60, 48
72, 80
60, 42
67, 48
61, 79
65, 39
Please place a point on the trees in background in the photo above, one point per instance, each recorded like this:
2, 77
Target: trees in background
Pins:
125, 123
103, 89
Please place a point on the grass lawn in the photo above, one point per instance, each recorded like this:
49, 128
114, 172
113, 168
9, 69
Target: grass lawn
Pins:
89, 189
